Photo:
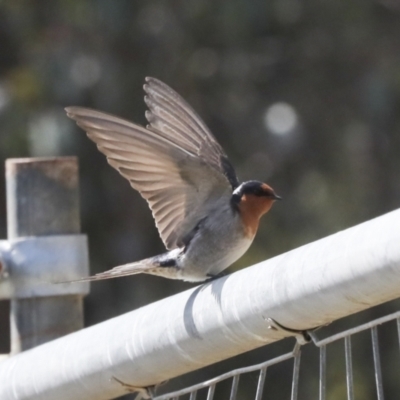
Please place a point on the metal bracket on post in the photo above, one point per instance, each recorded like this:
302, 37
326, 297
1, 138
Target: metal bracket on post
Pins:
30, 266
42, 206
302, 337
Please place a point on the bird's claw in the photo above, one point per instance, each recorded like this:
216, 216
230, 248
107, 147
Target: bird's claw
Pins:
212, 277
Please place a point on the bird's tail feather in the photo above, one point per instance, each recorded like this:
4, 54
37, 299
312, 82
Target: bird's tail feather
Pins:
116, 272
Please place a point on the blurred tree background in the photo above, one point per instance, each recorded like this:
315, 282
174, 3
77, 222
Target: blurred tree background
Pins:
302, 94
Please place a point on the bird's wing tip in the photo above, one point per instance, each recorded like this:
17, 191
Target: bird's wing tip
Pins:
151, 81
77, 112
73, 110
69, 110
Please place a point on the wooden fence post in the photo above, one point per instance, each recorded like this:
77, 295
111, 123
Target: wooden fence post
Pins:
42, 199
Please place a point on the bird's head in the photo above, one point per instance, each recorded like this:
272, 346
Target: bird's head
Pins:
259, 190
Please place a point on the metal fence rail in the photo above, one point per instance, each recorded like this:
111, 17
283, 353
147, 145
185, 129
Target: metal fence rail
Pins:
345, 336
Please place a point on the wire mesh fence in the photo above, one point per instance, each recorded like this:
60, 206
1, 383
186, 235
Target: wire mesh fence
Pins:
324, 376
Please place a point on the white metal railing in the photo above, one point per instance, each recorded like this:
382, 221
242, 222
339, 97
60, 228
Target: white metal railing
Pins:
314, 285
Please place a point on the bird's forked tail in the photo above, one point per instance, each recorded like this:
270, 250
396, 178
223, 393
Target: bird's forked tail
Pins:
138, 267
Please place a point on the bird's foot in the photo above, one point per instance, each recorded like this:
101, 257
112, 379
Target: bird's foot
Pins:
213, 277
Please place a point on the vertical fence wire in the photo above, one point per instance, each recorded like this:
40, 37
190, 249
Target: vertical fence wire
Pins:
234, 388
322, 372
398, 330
296, 373
193, 395
377, 363
260, 385
211, 391
349, 368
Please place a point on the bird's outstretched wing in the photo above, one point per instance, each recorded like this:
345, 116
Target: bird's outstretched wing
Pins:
175, 163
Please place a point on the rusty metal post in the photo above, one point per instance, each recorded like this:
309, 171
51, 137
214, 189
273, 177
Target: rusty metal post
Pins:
42, 199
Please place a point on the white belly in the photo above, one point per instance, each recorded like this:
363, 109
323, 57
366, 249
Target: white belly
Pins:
230, 257
218, 243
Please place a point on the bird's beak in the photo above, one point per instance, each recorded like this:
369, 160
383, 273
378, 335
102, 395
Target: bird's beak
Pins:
276, 197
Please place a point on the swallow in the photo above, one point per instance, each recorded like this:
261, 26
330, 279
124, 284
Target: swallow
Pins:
206, 218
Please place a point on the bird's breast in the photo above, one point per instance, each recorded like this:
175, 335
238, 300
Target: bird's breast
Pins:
251, 209
219, 243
